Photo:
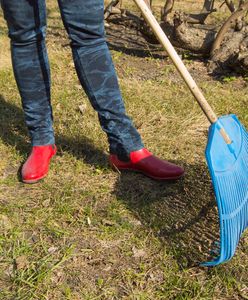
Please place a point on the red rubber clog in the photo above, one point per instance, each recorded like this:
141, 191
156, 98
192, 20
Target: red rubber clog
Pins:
36, 166
145, 162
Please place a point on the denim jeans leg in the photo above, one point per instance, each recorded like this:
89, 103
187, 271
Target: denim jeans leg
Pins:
26, 20
84, 22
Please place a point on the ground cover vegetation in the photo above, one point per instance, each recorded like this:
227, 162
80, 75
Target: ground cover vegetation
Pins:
86, 232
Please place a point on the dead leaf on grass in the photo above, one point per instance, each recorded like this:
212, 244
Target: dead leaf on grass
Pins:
46, 203
82, 108
21, 262
107, 222
107, 268
52, 249
5, 223
138, 253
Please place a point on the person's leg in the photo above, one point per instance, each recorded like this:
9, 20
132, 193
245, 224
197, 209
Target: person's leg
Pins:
26, 20
83, 20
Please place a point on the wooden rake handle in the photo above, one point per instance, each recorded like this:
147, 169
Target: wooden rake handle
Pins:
147, 14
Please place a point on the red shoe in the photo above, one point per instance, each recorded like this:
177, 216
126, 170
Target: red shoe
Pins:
145, 162
37, 165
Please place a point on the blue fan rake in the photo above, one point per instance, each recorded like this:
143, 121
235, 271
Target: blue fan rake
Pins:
228, 165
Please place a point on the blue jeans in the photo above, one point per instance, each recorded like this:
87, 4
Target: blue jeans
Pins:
84, 23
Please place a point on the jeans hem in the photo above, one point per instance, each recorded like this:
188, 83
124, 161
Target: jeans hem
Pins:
43, 142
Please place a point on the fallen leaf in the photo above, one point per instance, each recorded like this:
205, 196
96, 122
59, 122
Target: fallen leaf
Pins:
138, 253
21, 262
5, 223
82, 108
107, 222
52, 249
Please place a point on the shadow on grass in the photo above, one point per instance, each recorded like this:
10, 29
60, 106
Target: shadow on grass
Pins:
124, 35
182, 214
13, 132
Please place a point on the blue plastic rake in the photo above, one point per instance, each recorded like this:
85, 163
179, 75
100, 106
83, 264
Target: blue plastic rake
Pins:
226, 154
228, 165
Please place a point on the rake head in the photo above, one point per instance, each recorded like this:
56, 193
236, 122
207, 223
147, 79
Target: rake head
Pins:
228, 165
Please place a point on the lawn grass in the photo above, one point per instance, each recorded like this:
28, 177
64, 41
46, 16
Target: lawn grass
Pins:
86, 232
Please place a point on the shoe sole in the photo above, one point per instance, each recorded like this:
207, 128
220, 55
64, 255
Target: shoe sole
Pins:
149, 176
34, 180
